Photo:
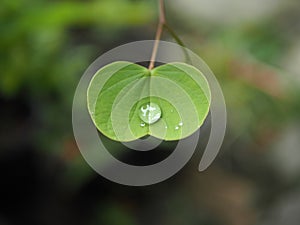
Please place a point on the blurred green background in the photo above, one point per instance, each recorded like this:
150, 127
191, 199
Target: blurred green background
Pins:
253, 47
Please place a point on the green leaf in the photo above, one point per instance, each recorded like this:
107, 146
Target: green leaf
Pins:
127, 101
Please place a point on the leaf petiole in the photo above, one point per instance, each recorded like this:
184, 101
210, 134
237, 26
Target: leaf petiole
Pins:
161, 26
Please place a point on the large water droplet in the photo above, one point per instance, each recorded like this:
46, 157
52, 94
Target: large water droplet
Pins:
150, 113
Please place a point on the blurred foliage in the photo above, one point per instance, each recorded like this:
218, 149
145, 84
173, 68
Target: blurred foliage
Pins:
40, 56
35, 37
45, 46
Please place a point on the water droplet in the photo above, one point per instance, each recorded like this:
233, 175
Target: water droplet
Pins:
150, 113
172, 110
176, 128
143, 124
166, 127
180, 124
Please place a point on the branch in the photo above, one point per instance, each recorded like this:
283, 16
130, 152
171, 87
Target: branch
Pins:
161, 25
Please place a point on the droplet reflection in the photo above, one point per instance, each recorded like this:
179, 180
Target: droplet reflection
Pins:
150, 113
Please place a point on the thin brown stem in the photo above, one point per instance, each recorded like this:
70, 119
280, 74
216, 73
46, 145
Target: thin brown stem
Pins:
162, 12
160, 27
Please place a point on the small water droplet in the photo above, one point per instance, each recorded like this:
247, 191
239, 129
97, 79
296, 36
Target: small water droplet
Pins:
172, 110
180, 124
142, 124
150, 113
166, 127
176, 128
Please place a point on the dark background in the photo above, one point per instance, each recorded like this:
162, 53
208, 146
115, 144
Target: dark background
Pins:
253, 48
